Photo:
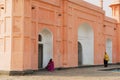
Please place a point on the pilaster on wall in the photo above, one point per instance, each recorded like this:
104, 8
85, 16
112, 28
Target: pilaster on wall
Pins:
69, 38
27, 37
65, 47
5, 34
118, 36
21, 56
116, 15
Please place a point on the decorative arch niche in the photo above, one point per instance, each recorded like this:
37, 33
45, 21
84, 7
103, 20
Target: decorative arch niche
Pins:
86, 38
109, 49
45, 39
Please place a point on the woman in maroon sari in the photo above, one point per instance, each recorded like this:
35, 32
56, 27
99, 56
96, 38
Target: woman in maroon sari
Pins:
50, 66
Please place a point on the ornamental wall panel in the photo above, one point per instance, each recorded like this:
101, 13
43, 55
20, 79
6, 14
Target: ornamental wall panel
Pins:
70, 21
34, 58
34, 30
27, 9
58, 33
17, 54
16, 62
53, 2
2, 27
8, 7
8, 24
34, 13
27, 53
27, 26
17, 45
17, 4
58, 18
17, 24
46, 16
1, 45
109, 30
7, 45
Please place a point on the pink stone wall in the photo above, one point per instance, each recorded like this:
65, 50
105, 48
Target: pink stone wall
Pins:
25, 19
5, 34
111, 33
116, 15
118, 40
76, 15
21, 38
31, 17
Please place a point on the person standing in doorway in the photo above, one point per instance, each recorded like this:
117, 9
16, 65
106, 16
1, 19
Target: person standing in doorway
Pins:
106, 59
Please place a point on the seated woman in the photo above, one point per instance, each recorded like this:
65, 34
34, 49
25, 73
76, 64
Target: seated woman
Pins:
50, 66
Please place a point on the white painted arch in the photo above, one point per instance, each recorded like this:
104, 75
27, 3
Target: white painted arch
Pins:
86, 38
109, 49
47, 41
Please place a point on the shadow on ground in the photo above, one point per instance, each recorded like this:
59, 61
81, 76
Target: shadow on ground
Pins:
90, 72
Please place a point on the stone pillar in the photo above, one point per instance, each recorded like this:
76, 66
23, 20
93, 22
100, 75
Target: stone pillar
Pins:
5, 34
21, 36
65, 34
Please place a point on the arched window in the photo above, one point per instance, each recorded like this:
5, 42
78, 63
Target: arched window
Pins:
39, 38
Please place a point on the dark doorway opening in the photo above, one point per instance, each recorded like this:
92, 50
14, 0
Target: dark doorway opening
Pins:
40, 56
79, 54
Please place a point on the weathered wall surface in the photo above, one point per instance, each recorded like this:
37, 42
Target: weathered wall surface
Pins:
75, 15
118, 40
110, 32
48, 15
21, 36
63, 20
29, 18
116, 15
5, 34
22, 20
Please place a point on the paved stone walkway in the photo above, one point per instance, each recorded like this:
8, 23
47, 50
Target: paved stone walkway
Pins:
90, 73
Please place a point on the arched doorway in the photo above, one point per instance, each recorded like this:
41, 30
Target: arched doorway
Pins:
45, 48
79, 54
86, 38
40, 52
109, 49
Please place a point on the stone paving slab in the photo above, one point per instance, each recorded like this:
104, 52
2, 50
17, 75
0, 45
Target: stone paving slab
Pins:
90, 73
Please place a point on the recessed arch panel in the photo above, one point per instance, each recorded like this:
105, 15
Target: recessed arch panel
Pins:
86, 38
47, 42
109, 49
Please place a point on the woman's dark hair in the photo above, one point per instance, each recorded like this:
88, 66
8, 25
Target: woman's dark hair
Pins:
50, 59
